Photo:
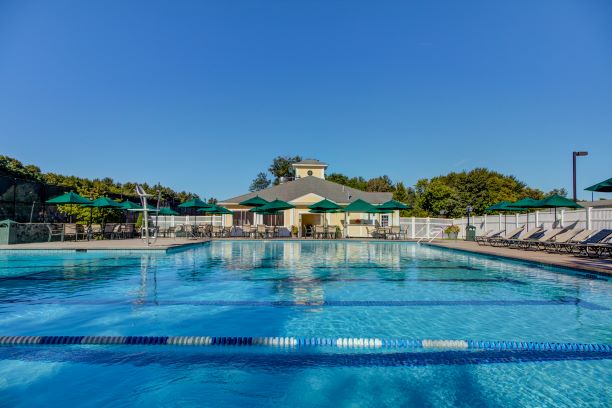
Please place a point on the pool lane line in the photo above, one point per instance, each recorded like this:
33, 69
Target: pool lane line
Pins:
282, 280
305, 342
560, 301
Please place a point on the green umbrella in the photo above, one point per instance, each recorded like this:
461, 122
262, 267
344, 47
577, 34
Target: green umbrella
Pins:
104, 202
603, 187
167, 211
69, 198
504, 206
393, 205
556, 201
273, 207
128, 205
525, 204
215, 210
256, 201
361, 206
195, 203
324, 206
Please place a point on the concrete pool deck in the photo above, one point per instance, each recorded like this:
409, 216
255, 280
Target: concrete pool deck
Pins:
135, 244
600, 266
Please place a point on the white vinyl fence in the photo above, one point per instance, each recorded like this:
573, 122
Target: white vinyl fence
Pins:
591, 218
174, 220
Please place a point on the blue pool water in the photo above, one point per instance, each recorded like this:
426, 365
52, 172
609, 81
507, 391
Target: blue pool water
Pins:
299, 289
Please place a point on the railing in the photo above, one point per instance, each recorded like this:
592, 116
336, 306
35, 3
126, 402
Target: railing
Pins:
424, 228
434, 234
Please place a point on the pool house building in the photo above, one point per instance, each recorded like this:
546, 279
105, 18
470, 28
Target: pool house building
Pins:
309, 187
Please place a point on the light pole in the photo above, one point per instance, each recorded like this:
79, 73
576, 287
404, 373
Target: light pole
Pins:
574, 155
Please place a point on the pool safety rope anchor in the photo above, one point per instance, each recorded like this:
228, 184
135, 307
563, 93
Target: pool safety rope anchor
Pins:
303, 342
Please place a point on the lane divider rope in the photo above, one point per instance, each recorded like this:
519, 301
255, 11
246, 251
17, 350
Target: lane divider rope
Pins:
287, 342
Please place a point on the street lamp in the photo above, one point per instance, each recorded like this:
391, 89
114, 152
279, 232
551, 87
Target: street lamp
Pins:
574, 155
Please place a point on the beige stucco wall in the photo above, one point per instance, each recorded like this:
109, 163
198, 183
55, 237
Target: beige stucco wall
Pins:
316, 172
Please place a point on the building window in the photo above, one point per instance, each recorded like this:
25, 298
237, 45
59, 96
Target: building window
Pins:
384, 220
310, 172
242, 217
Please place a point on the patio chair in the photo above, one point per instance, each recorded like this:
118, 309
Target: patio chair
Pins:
216, 231
74, 230
128, 230
394, 232
247, 231
95, 230
107, 231
227, 232
319, 231
55, 230
190, 232
261, 232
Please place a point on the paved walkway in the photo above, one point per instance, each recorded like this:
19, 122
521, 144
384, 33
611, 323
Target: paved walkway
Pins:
161, 244
598, 265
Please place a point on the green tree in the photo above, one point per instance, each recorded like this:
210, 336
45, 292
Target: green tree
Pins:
260, 182
281, 167
559, 191
381, 184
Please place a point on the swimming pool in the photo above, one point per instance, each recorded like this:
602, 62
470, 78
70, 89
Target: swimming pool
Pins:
301, 290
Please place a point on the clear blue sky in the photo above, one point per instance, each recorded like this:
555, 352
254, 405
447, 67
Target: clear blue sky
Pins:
410, 89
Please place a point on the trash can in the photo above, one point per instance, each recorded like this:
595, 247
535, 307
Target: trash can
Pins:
8, 233
470, 233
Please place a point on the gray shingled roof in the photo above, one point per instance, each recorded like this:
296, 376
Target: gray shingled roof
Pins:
294, 189
311, 161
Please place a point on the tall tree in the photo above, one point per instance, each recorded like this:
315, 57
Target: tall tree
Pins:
260, 182
381, 184
281, 167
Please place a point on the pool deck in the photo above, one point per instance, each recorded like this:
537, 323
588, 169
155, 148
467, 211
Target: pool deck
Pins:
136, 244
600, 266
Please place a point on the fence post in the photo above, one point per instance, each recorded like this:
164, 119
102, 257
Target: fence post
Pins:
588, 217
516, 220
485, 224
427, 227
413, 234
537, 219
562, 219
499, 222
172, 220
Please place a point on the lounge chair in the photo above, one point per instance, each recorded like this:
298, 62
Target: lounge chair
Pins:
558, 245
596, 249
482, 239
522, 238
561, 235
534, 240
515, 233
594, 238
